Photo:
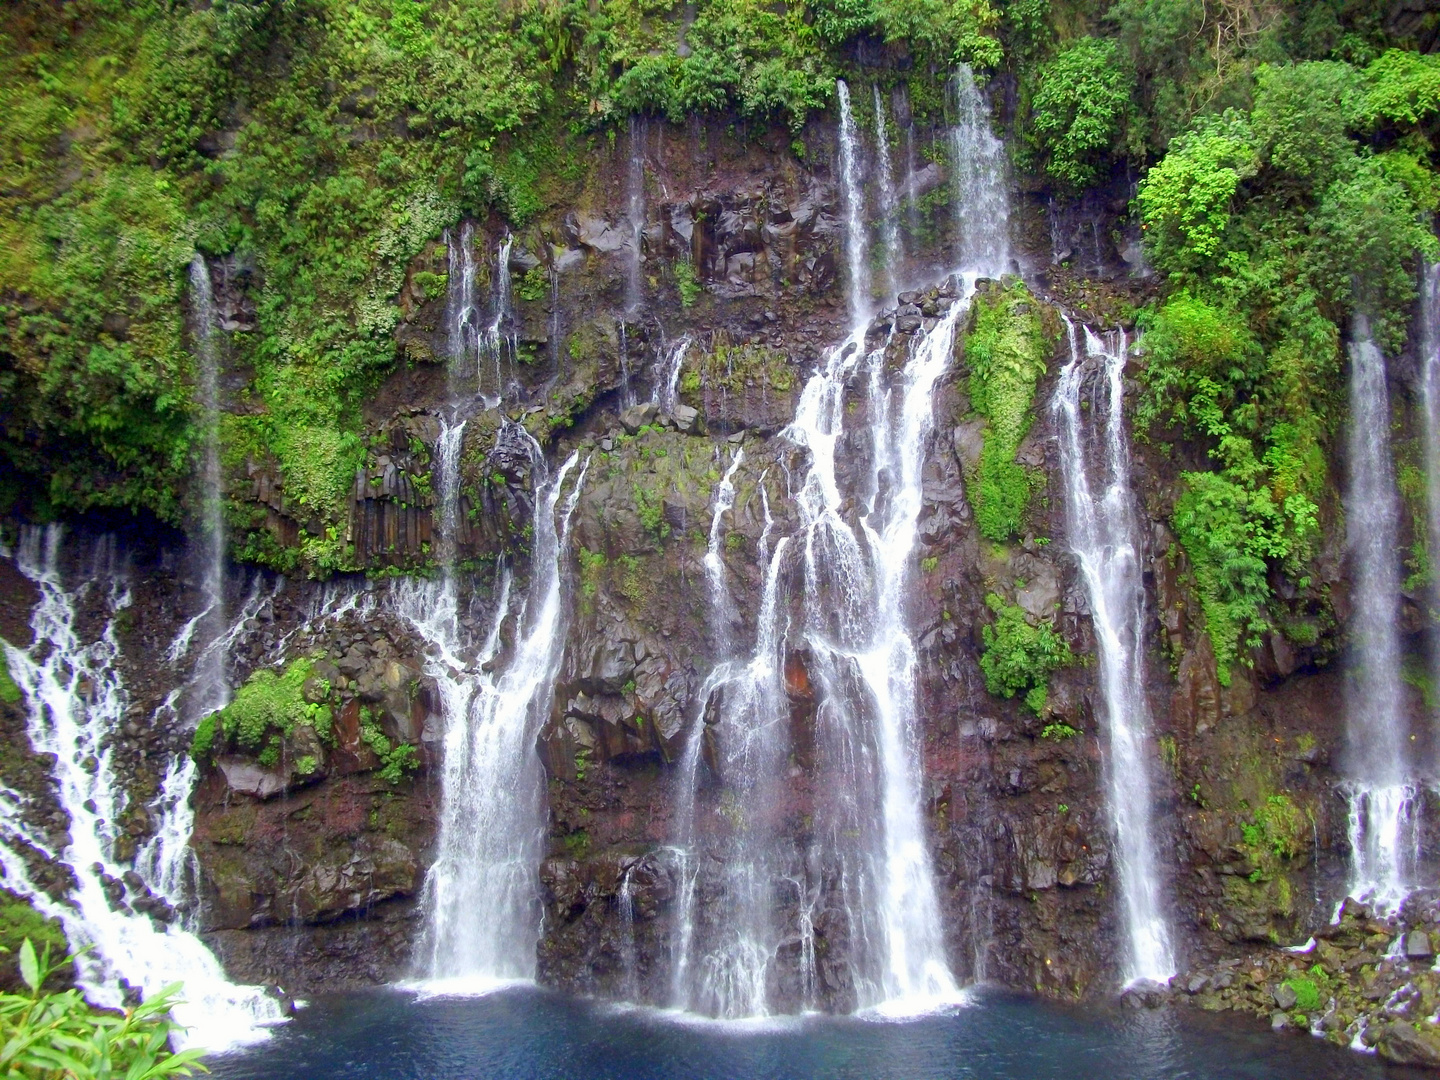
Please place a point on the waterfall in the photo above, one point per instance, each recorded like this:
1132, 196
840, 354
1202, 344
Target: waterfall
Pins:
625, 902
889, 204
499, 339
667, 375
77, 701
481, 894
852, 201
852, 898
722, 608
981, 205
1104, 536
1383, 800
208, 690
462, 312
447, 489
1430, 421
635, 214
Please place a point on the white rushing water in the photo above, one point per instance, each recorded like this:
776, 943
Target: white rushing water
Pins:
1104, 536
889, 202
635, 213
208, 690
852, 205
462, 311
76, 700
982, 206
499, 341
1384, 800
1430, 423
482, 894
671, 361
832, 616
722, 607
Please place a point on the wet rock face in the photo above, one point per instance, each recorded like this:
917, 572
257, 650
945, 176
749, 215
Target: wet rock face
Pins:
312, 880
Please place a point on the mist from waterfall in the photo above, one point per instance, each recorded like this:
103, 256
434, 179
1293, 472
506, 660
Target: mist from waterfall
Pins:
1384, 798
76, 702
1104, 536
481, 895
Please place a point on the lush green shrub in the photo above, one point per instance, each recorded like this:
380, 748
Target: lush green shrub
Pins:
1007, 349
1186, 201
1019, 656
1080, 109
10, 692
61, 1037
270, 704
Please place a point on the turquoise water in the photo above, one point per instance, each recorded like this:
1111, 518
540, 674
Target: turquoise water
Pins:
528, 1034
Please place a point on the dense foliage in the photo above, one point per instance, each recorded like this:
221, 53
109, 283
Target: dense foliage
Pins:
1006, 348
1020, 654
60, 1036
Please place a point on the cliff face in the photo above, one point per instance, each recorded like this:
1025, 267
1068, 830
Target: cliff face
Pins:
310, 863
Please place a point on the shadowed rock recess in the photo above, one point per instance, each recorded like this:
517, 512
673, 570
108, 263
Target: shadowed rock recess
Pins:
744, 559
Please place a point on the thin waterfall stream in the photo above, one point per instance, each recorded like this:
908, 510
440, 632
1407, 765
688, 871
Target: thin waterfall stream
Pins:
1384, 798
1104, 536
208, 690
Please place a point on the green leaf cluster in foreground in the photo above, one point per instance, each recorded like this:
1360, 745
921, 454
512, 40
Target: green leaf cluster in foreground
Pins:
60, 1036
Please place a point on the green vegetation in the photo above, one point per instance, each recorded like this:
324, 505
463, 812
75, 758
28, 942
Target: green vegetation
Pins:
19, 922
1007, 348
265, 709
1019, 657
1275, 224
10, 693
1081, 103
687, 283
396, 760
50, 1036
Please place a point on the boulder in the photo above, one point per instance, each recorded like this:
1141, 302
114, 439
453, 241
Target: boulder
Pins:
1417, 945
247, 778
638, 416
1040, 596
1284, 996
1402, 1044
687, 420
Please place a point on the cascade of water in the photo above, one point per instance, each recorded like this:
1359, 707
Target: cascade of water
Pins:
166, 860
76, 701
499, 341
981, 205
1430, 403
635, 213
625, 901
889, 204
447, 487
462, 311
627, 395
852, 201
865, 862
481, 894
667, 375
722, 608
1104, 538
208, 690
1383, 800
